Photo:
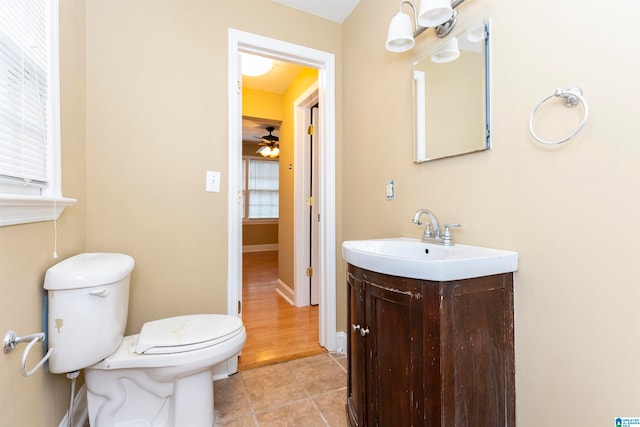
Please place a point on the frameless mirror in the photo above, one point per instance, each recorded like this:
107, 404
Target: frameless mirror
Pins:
451, 96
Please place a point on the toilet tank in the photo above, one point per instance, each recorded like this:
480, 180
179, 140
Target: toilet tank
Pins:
88, 296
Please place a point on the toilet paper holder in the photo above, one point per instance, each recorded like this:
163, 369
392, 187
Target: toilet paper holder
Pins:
11, 340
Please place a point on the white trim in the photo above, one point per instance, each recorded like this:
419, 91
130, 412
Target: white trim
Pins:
341, 342
225, 369
325, 63
285, 291
260, 248
19, 209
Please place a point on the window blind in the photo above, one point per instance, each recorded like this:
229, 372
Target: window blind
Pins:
24, 88
263, 187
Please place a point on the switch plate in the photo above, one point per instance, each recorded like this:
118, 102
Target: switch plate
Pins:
390, 190
212, 184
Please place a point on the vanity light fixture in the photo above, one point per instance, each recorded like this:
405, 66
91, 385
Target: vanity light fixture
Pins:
439, 14
255, 66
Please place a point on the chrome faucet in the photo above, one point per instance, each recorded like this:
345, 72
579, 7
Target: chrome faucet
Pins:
433, 223
432, 233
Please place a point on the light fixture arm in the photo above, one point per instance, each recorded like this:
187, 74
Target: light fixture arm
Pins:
441, 30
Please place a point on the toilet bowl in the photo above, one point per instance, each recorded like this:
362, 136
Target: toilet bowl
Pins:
161, 377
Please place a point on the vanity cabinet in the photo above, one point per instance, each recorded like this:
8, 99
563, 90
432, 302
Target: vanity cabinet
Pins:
425, 353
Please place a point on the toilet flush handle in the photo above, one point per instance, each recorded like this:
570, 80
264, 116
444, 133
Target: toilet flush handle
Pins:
102, 293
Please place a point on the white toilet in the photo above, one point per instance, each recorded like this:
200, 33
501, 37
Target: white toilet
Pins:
159, 377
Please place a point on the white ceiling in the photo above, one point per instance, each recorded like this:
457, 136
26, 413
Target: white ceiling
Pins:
334, 10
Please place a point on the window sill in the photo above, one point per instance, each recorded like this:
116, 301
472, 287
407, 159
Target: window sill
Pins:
18, 209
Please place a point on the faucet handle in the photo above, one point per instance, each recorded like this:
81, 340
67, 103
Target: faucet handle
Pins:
446, 237
428, 231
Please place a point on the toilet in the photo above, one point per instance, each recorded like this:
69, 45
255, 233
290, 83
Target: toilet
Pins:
162, 376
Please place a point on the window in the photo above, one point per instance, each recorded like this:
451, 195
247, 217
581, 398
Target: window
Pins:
261, 188
29, 112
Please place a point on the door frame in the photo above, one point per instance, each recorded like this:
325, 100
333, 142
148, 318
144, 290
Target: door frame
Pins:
241, 41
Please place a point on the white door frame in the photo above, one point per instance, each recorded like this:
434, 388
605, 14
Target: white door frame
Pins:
240, 41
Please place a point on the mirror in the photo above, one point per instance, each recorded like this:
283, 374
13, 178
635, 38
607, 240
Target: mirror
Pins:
451, 96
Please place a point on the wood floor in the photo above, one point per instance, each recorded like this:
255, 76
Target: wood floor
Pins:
276, 330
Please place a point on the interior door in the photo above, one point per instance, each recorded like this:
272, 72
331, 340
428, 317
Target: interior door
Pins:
314, 217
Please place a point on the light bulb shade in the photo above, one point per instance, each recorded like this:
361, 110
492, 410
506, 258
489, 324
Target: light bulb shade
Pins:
476, 33
447, 53
400, 35
434, 12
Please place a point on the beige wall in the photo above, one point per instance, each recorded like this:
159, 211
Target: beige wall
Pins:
156, 121
572, 212
26, 250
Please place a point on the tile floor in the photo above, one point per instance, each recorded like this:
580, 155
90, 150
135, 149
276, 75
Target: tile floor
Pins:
304, 392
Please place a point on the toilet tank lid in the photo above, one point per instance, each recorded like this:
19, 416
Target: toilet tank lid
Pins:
88, 270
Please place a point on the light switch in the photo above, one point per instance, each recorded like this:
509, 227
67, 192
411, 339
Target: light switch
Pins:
212, 184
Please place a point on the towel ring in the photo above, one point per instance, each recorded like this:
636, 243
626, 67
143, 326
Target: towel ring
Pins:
571, 97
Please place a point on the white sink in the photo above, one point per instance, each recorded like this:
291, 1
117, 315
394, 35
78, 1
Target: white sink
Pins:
411, 258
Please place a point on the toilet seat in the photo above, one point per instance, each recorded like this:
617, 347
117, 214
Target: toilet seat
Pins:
186, 333
215, 335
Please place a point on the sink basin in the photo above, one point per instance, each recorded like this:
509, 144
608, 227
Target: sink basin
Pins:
405, 257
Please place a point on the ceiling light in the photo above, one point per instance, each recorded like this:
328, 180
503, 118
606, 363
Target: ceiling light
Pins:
254, 66
269, 152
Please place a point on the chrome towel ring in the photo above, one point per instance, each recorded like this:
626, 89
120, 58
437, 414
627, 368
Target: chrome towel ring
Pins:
571, 97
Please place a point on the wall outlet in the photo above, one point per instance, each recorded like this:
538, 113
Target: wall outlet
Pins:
212, 184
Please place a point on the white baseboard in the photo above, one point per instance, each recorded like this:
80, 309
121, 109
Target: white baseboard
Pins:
260, 248
80, 410
285, 291
225, 369
341, 342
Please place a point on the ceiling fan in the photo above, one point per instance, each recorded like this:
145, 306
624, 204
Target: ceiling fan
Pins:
269, 143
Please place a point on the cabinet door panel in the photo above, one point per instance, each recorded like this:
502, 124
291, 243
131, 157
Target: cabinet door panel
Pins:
479, 351
394, 344
355, 352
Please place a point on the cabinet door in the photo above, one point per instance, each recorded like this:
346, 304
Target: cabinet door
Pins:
394, 337
478, 365
355, 352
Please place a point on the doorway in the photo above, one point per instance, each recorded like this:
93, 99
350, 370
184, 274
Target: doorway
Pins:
325, 63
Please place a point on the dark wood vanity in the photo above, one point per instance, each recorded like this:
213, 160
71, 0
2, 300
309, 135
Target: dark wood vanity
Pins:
428, 353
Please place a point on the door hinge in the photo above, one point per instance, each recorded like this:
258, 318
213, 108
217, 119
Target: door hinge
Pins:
311, 130
239, 87
239, 307
309, 272
310, 201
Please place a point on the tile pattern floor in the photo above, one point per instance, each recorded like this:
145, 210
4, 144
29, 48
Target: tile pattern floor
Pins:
306, 392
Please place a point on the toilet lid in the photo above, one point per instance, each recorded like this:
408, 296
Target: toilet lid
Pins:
186, 333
